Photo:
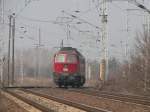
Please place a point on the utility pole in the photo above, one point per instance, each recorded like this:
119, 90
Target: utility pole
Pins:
37, 53
89, 71
62, 44
13, 48
146, 69
2, 72
10, 35
146, 57
2, 44
21, 58
0, 10
127, 39
21, 65
39, 36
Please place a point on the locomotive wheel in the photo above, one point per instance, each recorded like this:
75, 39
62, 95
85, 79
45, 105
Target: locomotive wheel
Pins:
73, 85
77, 85
78, 82
59, 85
66, 86
82, 80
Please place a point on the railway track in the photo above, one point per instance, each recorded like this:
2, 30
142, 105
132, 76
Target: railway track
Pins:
81, 106
90, 100
96, 100
121, 97
28, 101
60, 100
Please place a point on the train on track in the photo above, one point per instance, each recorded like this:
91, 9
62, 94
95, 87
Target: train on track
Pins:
69, 67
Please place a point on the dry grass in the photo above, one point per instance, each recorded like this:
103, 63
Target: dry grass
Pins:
31, 81
1, 107
94, 83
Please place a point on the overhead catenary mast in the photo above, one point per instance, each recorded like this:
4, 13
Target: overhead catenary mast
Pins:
1, 37
38, 46
104, 39
104, 58
13, 48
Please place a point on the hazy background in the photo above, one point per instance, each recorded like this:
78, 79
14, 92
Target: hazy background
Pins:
125, 22
35, 14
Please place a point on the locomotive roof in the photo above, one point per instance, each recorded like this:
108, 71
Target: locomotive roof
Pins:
70, 49
67, 48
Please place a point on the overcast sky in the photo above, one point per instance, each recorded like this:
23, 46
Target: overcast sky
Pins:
42, 14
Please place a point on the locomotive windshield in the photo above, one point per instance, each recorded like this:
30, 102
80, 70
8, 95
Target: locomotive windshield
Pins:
71, 59
63, 58
60, 58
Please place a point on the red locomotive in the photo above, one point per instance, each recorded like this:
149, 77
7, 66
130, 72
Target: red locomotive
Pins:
69, 68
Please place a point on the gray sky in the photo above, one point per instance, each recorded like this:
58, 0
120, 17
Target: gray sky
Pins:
42, 13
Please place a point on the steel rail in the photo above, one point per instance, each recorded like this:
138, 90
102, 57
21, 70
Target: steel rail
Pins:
26, 87
120, 97
67, 102
28, 101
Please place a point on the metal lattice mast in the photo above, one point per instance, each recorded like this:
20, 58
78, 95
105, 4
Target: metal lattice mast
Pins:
146, 25
127, 38
104, 62
1, 36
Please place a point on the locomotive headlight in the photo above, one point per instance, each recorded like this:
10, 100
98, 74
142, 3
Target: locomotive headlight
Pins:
65, 69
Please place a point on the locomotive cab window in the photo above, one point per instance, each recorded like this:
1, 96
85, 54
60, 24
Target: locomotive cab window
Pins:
71, 58
60, 58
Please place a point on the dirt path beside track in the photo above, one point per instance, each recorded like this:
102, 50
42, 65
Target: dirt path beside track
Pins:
7, 105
